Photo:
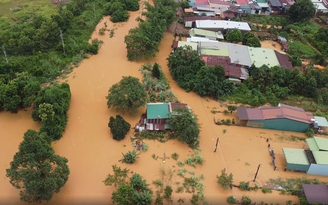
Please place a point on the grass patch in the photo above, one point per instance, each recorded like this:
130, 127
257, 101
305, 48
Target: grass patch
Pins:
181, 164
194, 160
302, 50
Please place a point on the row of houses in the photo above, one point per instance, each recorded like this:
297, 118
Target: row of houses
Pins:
236, 59
313, 160
229, 9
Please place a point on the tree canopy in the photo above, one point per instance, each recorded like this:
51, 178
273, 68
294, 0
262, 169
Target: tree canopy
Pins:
36, 170
185, 126
301, 10
118, 127
234, 36
127, 95
249, 39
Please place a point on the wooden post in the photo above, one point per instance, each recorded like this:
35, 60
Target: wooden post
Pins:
216, 145
164, 157
257, 171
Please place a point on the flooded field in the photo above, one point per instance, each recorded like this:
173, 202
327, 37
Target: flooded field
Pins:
91, 151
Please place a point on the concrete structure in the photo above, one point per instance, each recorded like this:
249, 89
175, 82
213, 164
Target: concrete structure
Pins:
283, 117
263, 56
212, 35
157, 115
316, 193
322, 123
222, 25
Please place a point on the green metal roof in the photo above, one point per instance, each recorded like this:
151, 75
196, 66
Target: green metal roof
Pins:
322, 143
322, 121
185, 43
207, 33
263, 56
321, 157
215, 52
312, 144
155, 110
295, 156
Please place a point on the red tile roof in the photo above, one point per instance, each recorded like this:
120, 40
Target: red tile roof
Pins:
219, 2
242, 2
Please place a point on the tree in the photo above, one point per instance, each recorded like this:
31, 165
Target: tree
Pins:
118, 177
302, 10
118, 127
245, 200
232, 108
124, 195
36, 170
251, 40
120, 15
225, 180
138, 184
155, 72
234, 36
127, 95
46, 112
130, 157
184, 126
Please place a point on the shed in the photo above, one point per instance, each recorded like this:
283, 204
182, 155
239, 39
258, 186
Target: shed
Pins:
296, 159
322, 123
282, 117
320, 167
316, 193
317, 143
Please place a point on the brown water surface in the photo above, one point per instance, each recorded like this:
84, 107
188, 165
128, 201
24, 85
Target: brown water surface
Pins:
91, 151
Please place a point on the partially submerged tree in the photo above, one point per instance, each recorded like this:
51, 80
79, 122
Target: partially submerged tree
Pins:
118, 127
127, 95
130, 157
302, 10
36, 170
225, 180
184, 126
156, 71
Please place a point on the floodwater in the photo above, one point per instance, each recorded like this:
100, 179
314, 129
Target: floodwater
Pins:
91, 151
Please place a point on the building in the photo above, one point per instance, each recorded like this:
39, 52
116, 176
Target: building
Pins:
263, 56
282, 117
219, 4
321, 6
222, 25
177, 44
212, 35
196, 39
190, 21
312, 161
316, 193
239, 55
283, 60
157, 115
322, 124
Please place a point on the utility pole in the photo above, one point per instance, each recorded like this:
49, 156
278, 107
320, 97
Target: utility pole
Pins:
4, 52
62, 39
216, 145
257, 171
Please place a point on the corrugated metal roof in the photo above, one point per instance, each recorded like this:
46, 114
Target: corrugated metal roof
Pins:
322, 121
283, 60
157, 110
202, 32
214, 52
275, 3
239, 54
295, 156
242, 113
263, 5
312, 144
322, 143
224, 61
321, 157
196, 39
263, 56
184, 43
316, 193
221, 24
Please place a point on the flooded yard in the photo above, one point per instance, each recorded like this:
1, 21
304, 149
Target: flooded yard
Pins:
91, 151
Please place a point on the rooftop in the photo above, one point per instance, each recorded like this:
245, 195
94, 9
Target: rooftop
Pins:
242, 2
221, 24
185, 43
322, 121
320, 157
275, 3
239, 54
157, 110
196, 39
295, 156
206, 33
230, 69
283, 60
214, 52
317, 143
263, 56
316, 193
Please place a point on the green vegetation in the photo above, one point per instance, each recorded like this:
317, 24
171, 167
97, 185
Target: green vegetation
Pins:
234, 36
244, 185
129, 192
130, 157
51, 108
118, 9
127, 95
302, 50
175, 156
231, 199
185, 127
36, 170
118, 127
143, 41
249, 39
225, 180
266, 190
192, 74
194, 160
278, 20
302, 10
245, 200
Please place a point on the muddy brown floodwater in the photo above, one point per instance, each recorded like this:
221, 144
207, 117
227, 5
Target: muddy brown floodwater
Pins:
91, 151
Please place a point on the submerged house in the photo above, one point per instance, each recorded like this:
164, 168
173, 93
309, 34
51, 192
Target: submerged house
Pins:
312, 161
157, 115
282, 117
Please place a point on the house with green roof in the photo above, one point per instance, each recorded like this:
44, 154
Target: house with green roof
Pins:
212, 35
157, 115
263, 56
313, 161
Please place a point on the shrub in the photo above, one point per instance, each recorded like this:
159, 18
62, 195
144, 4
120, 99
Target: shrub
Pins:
175, 156
231, 199
266, 190
225, 112
245, 200
168, 192
224, 179
130, 157
244, 185
102, 31
193, 161
94, 47
118, 127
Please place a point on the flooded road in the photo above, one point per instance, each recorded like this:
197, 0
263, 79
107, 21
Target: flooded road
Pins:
91, 151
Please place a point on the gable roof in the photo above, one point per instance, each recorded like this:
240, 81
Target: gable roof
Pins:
317, 143
281, 112
283, 60
295, 156
230, 69
322, 121
316, 193
263, 56
185, 43
161, 110
239, 54
275, 3
221, 24
202, 32
321, 157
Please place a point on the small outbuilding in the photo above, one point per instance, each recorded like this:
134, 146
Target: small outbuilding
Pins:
322, 124
296, 159
316, 193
